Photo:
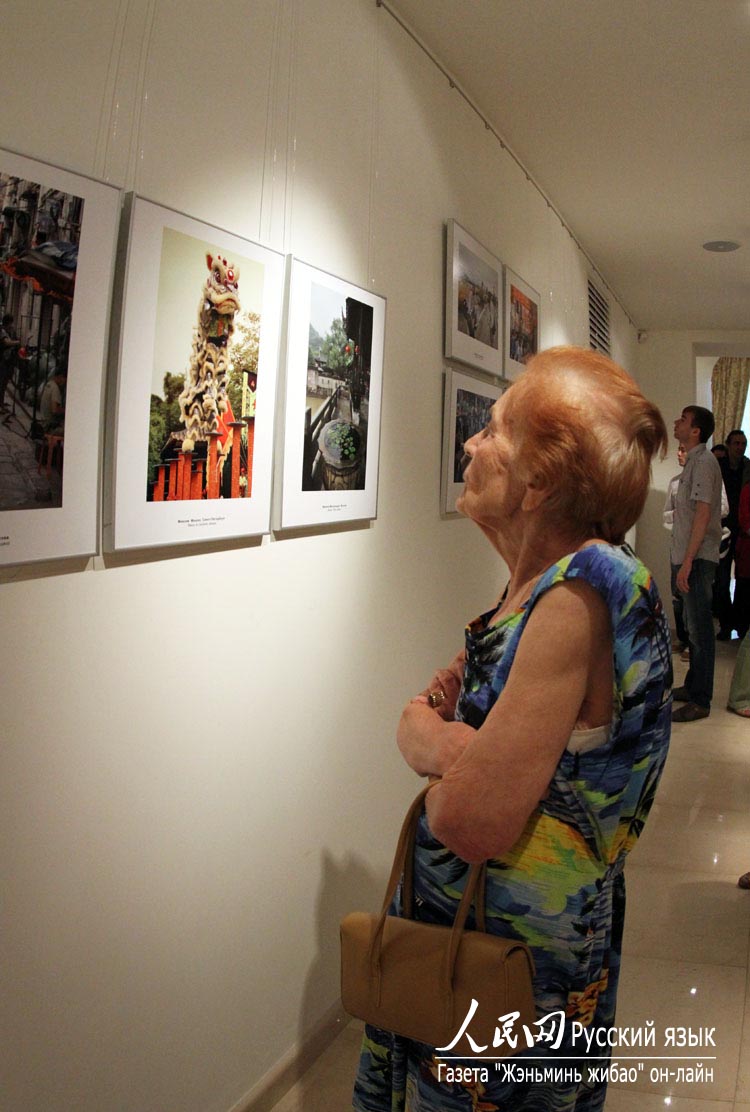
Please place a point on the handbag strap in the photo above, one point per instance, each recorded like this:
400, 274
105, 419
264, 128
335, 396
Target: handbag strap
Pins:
478, 887
403, 865
470, 888
405, 852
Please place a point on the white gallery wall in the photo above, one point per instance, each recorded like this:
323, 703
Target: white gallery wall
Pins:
198, 773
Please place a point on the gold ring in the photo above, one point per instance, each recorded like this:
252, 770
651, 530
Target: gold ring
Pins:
436, 698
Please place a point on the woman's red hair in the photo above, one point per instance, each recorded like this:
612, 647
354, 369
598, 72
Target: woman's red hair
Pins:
585, 433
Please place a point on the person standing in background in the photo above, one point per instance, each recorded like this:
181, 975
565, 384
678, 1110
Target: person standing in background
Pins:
735, 471
668, 514
694, 554
742, 565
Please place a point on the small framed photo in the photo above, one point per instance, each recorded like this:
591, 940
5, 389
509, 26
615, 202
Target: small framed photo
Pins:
196, 390
334, 380
57, 247
521, 324
467, 403
472, 300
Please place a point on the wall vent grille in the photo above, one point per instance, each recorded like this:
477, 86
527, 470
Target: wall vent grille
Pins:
598, 320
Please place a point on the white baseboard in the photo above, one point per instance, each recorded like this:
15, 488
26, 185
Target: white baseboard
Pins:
292, 1065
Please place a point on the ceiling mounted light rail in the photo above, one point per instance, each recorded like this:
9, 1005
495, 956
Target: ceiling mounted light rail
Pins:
409, 30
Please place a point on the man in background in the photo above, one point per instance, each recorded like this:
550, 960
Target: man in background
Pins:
735, 471
694, 554
677, 599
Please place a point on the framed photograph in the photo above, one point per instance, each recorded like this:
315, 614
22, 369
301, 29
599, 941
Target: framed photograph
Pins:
57, 247
521, 324
334, 379
467, 403
198, 359
472, 302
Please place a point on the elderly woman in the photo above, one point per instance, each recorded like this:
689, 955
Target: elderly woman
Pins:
548, 733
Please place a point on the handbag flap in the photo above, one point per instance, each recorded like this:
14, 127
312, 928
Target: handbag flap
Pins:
410, 995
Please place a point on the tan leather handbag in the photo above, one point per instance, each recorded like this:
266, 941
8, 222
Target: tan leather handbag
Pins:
419, 980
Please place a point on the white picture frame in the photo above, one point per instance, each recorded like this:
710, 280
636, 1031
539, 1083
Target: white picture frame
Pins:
336, 480
522, 313
167, 268
55, 222
473, 321
467, 401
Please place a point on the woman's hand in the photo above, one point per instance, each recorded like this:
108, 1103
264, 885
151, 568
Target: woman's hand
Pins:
428, 737
448, 682
428, 743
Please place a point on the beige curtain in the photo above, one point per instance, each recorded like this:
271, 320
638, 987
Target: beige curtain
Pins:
729, 382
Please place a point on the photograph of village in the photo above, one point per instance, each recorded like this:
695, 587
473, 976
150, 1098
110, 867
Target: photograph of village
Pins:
205, 372
477, 298
338, 391
40, 230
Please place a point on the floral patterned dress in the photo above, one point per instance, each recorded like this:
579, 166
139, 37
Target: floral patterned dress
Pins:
561, 888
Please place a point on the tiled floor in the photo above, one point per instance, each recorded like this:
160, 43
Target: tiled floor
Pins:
685, 959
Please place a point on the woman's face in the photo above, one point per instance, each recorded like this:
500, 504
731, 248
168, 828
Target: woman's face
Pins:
492, 493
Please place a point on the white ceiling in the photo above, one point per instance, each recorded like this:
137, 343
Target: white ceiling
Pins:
634, 118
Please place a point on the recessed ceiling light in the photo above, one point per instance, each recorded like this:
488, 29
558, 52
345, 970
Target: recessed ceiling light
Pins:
721, 245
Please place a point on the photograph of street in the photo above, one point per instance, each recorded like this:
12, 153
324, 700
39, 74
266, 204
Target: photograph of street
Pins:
40, 230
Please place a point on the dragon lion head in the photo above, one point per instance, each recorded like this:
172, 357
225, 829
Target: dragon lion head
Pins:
220, 289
